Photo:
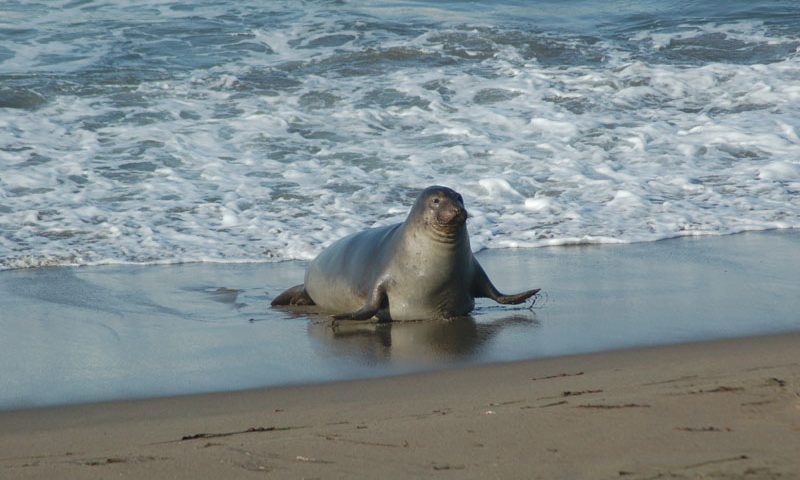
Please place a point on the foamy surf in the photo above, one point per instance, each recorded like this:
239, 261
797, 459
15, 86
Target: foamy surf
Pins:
168, 133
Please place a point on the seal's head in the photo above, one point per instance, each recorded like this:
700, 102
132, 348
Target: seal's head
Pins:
441, 209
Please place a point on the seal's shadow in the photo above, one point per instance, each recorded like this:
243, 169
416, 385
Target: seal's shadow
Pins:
428, 341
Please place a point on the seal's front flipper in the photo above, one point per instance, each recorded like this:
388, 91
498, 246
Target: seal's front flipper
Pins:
296, 295
482, 287
375, 302
365, 313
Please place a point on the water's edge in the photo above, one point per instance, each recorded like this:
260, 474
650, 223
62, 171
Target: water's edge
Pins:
76, 335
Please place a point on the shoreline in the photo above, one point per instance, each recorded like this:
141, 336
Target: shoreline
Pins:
720, 408
81, 335
445, 369
562, 243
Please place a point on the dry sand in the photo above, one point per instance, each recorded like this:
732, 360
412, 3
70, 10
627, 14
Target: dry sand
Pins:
727, 409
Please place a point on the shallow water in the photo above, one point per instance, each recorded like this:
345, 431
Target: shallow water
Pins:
99, 333
167, 132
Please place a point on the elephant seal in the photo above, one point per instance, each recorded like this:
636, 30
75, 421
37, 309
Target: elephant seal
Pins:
422, 268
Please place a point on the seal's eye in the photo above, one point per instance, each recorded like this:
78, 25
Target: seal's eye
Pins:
436, 201
460, 198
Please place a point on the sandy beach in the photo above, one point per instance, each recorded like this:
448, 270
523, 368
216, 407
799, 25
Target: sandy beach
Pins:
727, 409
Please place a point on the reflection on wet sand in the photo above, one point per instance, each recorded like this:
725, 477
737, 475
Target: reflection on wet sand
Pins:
429, 341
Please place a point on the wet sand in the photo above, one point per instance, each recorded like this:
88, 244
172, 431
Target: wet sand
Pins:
727, 409
81, 335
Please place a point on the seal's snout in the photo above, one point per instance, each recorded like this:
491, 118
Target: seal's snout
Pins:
459, 214
451, 213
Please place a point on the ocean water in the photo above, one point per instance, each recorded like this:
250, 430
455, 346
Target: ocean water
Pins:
161, 131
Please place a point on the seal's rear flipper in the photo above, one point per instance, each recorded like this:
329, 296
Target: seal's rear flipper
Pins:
296, 295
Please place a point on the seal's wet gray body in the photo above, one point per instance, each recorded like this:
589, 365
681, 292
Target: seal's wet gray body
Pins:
419, 269
422, 278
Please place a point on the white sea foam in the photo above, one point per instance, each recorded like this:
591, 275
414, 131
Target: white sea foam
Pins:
267, 137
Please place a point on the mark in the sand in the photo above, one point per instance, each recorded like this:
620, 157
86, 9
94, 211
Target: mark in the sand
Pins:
675, 473
702, 429
612, 407
339, 438
447, 466
343, 422
776, 381
437, 412
772, 367
96, 462
303, 459
554, 404
106, 461
253, 466
197, 436
757, 403
570, 393
671, 380
721, 460
509, 402
560, 375
248, 460
35, 457
720, 389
